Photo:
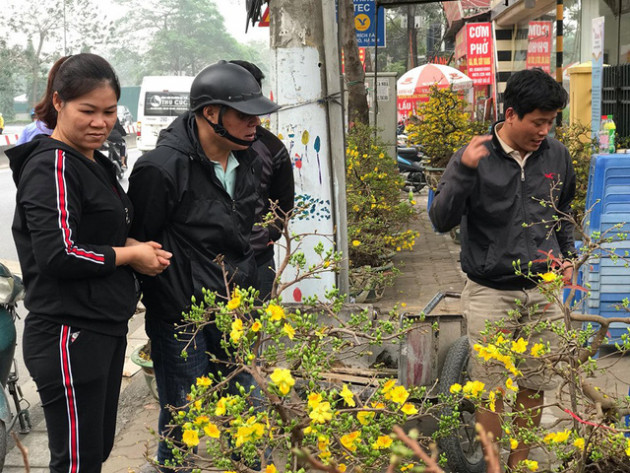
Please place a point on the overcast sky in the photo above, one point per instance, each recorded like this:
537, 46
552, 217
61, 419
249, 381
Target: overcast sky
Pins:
235, 15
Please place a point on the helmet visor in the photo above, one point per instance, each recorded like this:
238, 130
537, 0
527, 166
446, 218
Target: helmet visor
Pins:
257, 106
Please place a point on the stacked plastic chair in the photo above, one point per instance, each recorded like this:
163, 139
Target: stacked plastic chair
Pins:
608, 276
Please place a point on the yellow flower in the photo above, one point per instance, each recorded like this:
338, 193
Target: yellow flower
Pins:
201, 420
365, 417
492, 401
557, 437
283, 380
289, 331
377, 405
409, 409
235, 302
342, 467
513, 444
356, 243
383, 441
271, 469
314, 399
628, 447
256, 326
211, 430
387, 387
190, 438
275, 312
473, 388
532, 465
455, 388
510, 385
323, 442
549, 277
399, 394
237, 330
321, 413
204, 381
221, 407
537, 350
519, 346
347, 396
350, 440
579, 444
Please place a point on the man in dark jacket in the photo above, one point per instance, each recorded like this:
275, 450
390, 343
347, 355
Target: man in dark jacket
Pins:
276, 185
493, 188
197, 191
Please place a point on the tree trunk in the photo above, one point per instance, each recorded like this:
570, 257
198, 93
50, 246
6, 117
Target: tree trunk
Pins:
354, 74
412, 37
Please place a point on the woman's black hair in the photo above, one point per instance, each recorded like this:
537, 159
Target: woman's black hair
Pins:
72, 77
532, 89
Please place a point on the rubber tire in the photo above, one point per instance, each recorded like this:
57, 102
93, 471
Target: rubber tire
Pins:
455, 371
4, 439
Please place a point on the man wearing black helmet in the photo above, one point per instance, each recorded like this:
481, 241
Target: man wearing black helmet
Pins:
196, 191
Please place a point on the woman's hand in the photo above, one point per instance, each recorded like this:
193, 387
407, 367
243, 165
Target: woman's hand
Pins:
144, 257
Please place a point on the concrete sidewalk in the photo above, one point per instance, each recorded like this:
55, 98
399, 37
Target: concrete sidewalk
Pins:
431, 267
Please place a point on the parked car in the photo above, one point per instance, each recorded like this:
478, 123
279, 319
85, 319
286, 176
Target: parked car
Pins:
124, 115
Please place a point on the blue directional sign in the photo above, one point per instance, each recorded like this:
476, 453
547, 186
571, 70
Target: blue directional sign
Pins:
365, 23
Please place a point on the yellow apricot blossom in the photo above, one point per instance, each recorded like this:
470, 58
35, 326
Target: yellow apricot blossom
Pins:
237, 330
289, 331
383, 441
212, 431
409, 409
235, 301
531, 465
513, 444
579, 443
347, 396
510, 385
365, 417
256, 326
473, 388
275, 312
350, 440
321, 413
190, 437
549, 277
520, 345
537, 350
283, 380
314, 399
204, 381
399, 394
271, 468
455, 388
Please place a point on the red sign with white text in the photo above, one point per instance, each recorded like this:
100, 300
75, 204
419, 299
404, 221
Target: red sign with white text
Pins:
539, 45
479, 52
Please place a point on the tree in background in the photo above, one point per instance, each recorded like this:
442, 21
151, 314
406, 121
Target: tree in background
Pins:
53, 28
8, 73
180, 37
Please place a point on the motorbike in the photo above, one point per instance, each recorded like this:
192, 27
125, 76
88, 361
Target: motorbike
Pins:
114, 151
11, 290
411, 165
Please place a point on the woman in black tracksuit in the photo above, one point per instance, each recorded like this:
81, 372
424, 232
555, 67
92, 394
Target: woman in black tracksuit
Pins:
70, 229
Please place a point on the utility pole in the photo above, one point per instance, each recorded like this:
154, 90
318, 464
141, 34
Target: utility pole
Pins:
307, 83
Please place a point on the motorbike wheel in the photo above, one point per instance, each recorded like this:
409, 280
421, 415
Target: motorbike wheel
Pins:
3, 443
463, 451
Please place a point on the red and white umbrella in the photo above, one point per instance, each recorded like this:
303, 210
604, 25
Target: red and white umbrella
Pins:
418, 80
415, 84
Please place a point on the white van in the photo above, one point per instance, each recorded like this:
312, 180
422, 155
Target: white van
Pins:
162, 99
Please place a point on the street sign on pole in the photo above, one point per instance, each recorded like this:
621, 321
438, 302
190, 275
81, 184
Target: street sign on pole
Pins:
365, 23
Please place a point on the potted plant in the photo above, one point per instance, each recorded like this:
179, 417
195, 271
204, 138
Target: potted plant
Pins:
442, 128
379, 214
141, 356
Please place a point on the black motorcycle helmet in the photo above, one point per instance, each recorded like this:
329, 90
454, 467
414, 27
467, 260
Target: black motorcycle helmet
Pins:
229, 85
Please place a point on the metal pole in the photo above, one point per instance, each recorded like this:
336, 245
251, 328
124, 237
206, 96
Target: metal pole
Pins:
559, 47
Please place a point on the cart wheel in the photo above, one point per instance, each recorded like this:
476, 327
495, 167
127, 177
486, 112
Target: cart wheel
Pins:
463, 451
3, 442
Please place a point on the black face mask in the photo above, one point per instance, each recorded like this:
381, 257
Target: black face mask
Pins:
220, 130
